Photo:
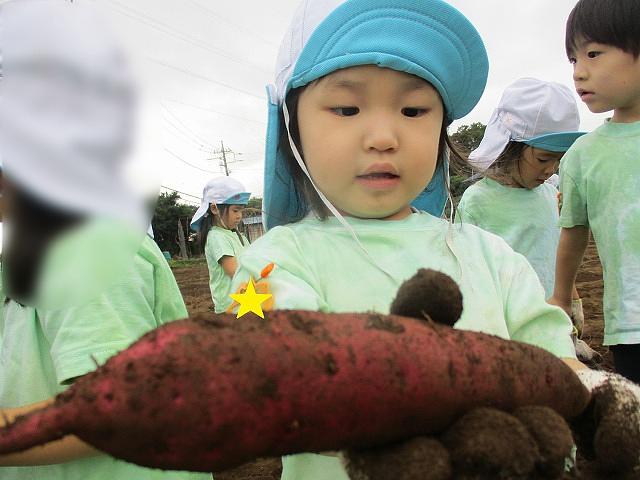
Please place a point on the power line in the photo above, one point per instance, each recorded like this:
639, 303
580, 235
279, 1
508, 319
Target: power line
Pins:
203, 77
187, 163
237, 25
199, 140
206, 109
181, 135
168, 30
183, 193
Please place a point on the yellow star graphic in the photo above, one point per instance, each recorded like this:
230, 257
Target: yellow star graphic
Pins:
250, 301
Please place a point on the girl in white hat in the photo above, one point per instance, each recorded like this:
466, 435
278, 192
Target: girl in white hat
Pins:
534, 124
216, 221
357, 127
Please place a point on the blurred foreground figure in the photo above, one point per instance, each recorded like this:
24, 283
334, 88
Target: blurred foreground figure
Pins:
66, 127
81, 281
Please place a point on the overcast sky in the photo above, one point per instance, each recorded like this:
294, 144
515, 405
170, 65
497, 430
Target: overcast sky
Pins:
204, 65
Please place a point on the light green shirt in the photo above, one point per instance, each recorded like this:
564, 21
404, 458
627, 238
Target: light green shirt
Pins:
41, 352
320, 267
600, 185
221, 242
526, 219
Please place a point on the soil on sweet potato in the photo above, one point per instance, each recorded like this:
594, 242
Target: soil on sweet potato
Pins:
194, 285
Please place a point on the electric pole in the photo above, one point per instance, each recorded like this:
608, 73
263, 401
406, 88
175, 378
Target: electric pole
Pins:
223, 157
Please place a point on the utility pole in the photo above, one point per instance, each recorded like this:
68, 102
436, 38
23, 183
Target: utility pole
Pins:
223, 158
181, 241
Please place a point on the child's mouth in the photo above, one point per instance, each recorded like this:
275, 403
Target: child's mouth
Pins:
379, 180
379, 175
584, 95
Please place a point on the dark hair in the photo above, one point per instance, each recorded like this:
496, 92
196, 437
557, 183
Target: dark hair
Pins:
35, 224
508, 161
306, 196
610, 22
210, 220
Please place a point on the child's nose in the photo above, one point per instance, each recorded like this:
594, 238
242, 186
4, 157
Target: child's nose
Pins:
551, 167
381, 135
579, 72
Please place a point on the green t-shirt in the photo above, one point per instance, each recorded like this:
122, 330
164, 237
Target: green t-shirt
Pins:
221, 242
600, 185
320, 267
40, 352
526, 219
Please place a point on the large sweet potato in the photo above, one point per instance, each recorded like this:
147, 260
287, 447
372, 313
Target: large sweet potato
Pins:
211, 392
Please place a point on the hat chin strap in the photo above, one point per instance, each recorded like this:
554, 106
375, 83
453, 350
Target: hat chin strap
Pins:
324, 199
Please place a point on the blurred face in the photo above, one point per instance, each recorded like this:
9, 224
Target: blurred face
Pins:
535, 167
607, 78
1, 195
369, 138
233, 216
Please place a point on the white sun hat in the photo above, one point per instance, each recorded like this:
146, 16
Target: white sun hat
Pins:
536, 112
220, 191
67, 109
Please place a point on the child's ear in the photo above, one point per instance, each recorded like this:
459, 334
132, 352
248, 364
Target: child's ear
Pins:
213, 208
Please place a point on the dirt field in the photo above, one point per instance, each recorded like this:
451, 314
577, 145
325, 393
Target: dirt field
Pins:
194, 284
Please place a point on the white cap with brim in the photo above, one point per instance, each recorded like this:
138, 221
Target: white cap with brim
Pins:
67, 112
426, 38
539, 113
219, 191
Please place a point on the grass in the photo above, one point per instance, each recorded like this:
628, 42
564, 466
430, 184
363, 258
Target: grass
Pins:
186, 263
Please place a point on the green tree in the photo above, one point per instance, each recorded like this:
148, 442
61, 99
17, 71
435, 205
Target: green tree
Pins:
165, 221
468, 137
254, 207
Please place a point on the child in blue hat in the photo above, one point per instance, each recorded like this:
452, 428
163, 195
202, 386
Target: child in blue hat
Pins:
365, 90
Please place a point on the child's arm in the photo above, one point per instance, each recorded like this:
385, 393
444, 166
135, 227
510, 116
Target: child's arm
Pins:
573, 243
229, 264
61, 451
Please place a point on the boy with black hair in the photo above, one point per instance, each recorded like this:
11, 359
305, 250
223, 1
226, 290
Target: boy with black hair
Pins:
600, 174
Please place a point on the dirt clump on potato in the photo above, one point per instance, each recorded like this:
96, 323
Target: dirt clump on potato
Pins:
429, 294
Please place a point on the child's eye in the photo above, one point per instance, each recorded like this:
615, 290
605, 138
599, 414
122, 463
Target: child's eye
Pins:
346, 111
593, 54
413, 111
572, 60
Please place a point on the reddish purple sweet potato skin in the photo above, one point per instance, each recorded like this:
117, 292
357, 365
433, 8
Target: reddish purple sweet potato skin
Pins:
212, 392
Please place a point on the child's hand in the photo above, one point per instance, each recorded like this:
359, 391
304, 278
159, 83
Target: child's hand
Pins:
609, 429
533, 442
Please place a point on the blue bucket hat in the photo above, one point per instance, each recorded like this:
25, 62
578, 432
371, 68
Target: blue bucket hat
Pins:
426, 38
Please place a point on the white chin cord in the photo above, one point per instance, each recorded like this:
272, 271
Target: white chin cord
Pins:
324, 199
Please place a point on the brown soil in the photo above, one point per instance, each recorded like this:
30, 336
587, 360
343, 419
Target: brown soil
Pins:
194, 284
